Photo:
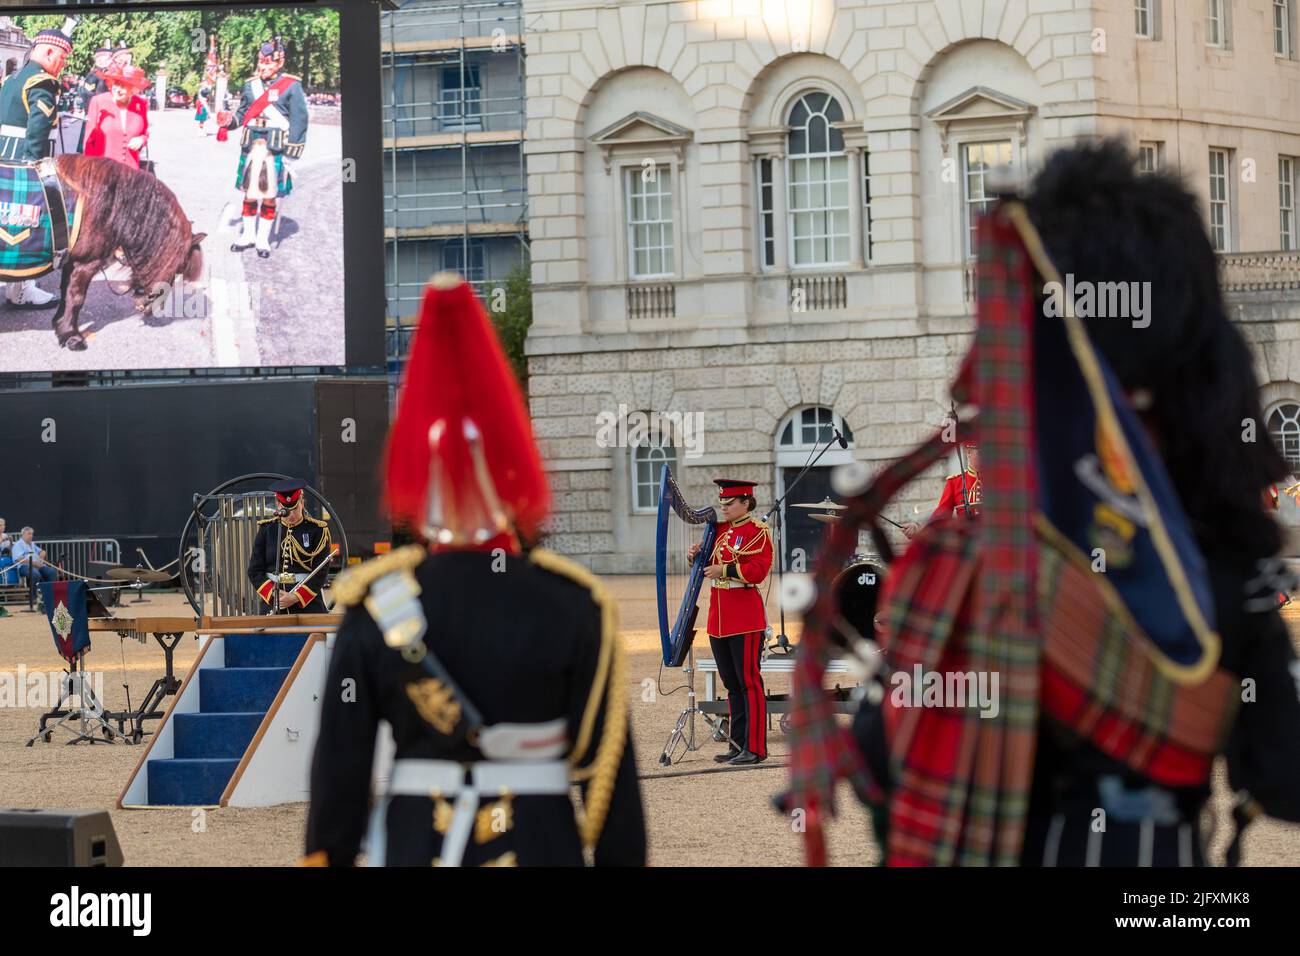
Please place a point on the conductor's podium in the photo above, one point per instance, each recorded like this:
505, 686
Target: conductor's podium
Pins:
242, 727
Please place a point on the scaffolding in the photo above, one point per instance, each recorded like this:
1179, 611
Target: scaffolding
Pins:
453, 125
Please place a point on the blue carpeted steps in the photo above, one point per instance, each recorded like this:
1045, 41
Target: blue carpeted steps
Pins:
233, 700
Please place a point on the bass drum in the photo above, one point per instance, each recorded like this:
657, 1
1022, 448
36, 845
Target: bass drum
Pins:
857, 592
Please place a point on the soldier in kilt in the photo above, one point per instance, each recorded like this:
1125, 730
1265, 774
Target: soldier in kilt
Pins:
273, 113
29, 112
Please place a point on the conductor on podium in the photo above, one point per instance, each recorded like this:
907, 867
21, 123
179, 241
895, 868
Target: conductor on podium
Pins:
290, 548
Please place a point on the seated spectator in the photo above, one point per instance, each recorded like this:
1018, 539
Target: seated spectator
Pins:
6, 557
30, 558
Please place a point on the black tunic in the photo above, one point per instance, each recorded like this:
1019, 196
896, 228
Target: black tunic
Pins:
523, 644
303, 549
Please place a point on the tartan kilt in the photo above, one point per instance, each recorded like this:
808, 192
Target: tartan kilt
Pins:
283, 180
27, 249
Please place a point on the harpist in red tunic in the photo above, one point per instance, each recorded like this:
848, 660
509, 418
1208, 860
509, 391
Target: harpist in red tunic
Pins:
117, 122
741, 560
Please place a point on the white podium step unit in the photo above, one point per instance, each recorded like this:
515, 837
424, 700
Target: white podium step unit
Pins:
275, 768
714, 706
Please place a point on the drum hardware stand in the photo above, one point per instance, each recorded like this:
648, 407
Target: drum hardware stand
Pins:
681, 734
138, 587
90, 714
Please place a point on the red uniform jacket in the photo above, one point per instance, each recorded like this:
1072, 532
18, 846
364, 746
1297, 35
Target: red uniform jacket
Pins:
744, 548
950, 500
107, 133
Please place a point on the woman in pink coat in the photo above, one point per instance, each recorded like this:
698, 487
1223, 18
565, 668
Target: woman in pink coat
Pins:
117, 122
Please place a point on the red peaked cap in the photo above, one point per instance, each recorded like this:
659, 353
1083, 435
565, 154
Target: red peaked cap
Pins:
457, 370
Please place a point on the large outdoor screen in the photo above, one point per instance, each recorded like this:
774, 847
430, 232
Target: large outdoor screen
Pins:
207, 185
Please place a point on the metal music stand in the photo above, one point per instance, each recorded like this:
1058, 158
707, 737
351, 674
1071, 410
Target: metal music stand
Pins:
90, 714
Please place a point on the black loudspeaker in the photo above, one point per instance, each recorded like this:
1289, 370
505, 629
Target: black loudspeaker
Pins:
58, 838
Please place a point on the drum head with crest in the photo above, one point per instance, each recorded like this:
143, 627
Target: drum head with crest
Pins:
857, 592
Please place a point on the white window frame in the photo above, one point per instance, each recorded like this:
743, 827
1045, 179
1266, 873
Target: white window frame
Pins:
1156, 150
658, 455
1216, 24
866, 207
635, 175
1283, 29
1222, 204
460, 107
795, 422
828, 211
1143, 17
767, 224
1290, 426
1288, 183
967, 218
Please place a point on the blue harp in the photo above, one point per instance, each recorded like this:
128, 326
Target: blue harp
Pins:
678, 580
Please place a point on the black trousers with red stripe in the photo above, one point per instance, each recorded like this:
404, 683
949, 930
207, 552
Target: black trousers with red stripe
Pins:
738, 659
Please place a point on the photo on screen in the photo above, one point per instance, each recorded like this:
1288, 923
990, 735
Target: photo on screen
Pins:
171, 189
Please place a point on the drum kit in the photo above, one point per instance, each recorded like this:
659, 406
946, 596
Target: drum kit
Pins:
857, 587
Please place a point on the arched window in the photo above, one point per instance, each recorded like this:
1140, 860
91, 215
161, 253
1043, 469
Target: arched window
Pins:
1284, 429
648, 460
817, 170
811, 428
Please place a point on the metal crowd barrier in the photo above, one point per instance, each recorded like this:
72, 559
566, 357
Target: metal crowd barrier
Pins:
78, 554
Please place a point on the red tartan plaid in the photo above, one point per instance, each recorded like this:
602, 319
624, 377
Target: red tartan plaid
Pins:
1002, 596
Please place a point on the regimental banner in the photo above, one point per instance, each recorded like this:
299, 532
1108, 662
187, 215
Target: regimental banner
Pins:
65, 609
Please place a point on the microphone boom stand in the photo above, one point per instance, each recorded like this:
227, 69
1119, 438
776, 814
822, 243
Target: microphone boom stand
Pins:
781, 639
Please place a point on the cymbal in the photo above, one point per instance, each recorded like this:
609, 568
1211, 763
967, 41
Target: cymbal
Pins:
825, 519
138, 574
824, 505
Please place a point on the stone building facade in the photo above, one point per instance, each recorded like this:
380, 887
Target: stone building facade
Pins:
753, 217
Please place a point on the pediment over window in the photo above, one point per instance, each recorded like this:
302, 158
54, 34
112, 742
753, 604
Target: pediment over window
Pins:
981, 105
641, 131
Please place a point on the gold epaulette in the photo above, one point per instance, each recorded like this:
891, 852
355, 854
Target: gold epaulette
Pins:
317, 521
609, 685
268, 520
352, 585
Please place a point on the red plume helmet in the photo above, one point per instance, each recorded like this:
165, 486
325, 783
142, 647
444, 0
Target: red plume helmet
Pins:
462, 463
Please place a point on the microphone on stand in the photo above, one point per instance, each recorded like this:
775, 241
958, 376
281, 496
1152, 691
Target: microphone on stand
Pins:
844, 442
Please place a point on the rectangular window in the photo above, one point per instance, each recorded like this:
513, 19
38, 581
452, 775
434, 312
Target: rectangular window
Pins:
1282, 27
1220, 201
460, 98
1216, 24
819, 210
766, 214
866, 204
1142, 11
1286, 190
650, 222
1148, 157
465, 257
978, 159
